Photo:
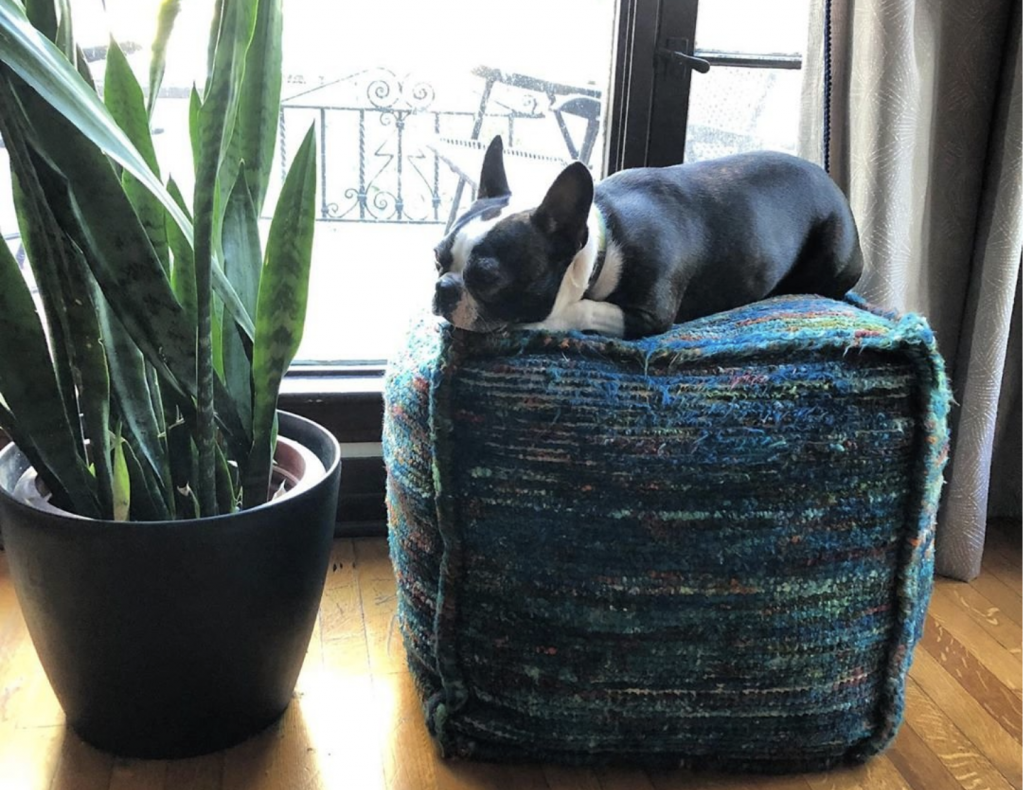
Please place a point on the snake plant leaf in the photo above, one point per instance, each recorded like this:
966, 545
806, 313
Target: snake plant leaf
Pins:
183, 272
127, 367
184, 282
212, 41
117, 250
216, 121
281, 307
90, 364
146, 502
24, 443
43, 16
42, 237
65, 40
195, 107
251, 144
28, 386
182, 451
256, 125
124, 99
226, 502
43, 66
243, 261
165, 19
122, 481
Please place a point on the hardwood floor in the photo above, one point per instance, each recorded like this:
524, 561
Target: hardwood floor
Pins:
355, 722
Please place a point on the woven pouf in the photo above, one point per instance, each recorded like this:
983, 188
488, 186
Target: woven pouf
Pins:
710, 548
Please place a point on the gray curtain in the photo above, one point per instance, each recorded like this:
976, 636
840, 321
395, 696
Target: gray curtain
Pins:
924, 136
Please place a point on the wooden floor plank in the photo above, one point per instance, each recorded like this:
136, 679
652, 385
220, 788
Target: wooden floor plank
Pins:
982, 730
918, 764
81, 767
939, 731
704, 780
196, 773
560, 777
629, 779
465, 775
343, 632
780, 783
28, 756
878, 773
377, 594
1002, 555
999, 661
989, 616
1001, 595
356, 722
999, 702
138, 774
408, 755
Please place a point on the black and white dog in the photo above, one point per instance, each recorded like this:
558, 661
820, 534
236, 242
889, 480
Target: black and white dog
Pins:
647, 247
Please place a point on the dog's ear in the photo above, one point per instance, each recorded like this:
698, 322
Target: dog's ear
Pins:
566, 206
492, 176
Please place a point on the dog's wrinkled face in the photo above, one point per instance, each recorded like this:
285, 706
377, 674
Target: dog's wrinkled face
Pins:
498, 266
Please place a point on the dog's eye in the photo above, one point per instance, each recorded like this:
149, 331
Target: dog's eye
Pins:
437, 258
484, 276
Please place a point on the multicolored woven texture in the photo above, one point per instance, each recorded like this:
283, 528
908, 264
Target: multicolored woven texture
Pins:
709, 548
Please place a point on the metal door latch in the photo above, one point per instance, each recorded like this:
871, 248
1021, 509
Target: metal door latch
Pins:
674, 52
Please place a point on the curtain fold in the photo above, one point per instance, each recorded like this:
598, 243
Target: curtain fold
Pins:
923, 133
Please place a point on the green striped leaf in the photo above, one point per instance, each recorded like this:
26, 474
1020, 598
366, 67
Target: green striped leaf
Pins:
243, 261
105, 227
43, 241
28, 386
166, 17
195, 107
146, 495
127, 367
90, 364
281, 307
124, 99
44, 67
122, 481
43, 16
226, 499
216, 120
28, 448
256, 124
183, 273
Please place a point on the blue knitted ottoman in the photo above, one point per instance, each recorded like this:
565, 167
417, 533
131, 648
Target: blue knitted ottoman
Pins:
710, 548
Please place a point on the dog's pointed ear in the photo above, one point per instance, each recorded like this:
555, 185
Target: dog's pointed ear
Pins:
492, 176
566, 206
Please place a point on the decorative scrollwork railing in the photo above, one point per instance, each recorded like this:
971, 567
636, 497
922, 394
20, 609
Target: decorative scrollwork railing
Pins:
373, 130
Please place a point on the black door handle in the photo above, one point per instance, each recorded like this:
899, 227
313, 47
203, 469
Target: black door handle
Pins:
675, 52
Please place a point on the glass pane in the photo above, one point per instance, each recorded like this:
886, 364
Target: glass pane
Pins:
404, 100
396, 90
752, 26
742, 109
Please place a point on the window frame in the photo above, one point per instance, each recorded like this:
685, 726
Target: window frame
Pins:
646, 126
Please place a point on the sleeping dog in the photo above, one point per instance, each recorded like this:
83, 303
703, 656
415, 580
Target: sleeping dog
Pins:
646, 247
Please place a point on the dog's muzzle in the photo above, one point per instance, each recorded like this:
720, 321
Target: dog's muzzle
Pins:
447, 294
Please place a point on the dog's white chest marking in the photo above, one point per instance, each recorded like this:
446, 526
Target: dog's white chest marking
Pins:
611, 272
573, 312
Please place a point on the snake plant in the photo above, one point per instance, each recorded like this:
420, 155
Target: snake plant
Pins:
148, 387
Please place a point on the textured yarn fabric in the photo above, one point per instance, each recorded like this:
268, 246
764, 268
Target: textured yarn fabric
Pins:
712, 548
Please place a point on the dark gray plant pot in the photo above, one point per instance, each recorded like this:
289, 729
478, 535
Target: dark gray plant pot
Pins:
174, 638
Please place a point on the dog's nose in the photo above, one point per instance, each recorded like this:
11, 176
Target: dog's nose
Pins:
447, 294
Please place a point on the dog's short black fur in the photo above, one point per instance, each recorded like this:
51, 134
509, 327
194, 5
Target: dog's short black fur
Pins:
647, 247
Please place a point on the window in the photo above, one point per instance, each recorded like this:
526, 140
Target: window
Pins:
750, 98
405, 94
